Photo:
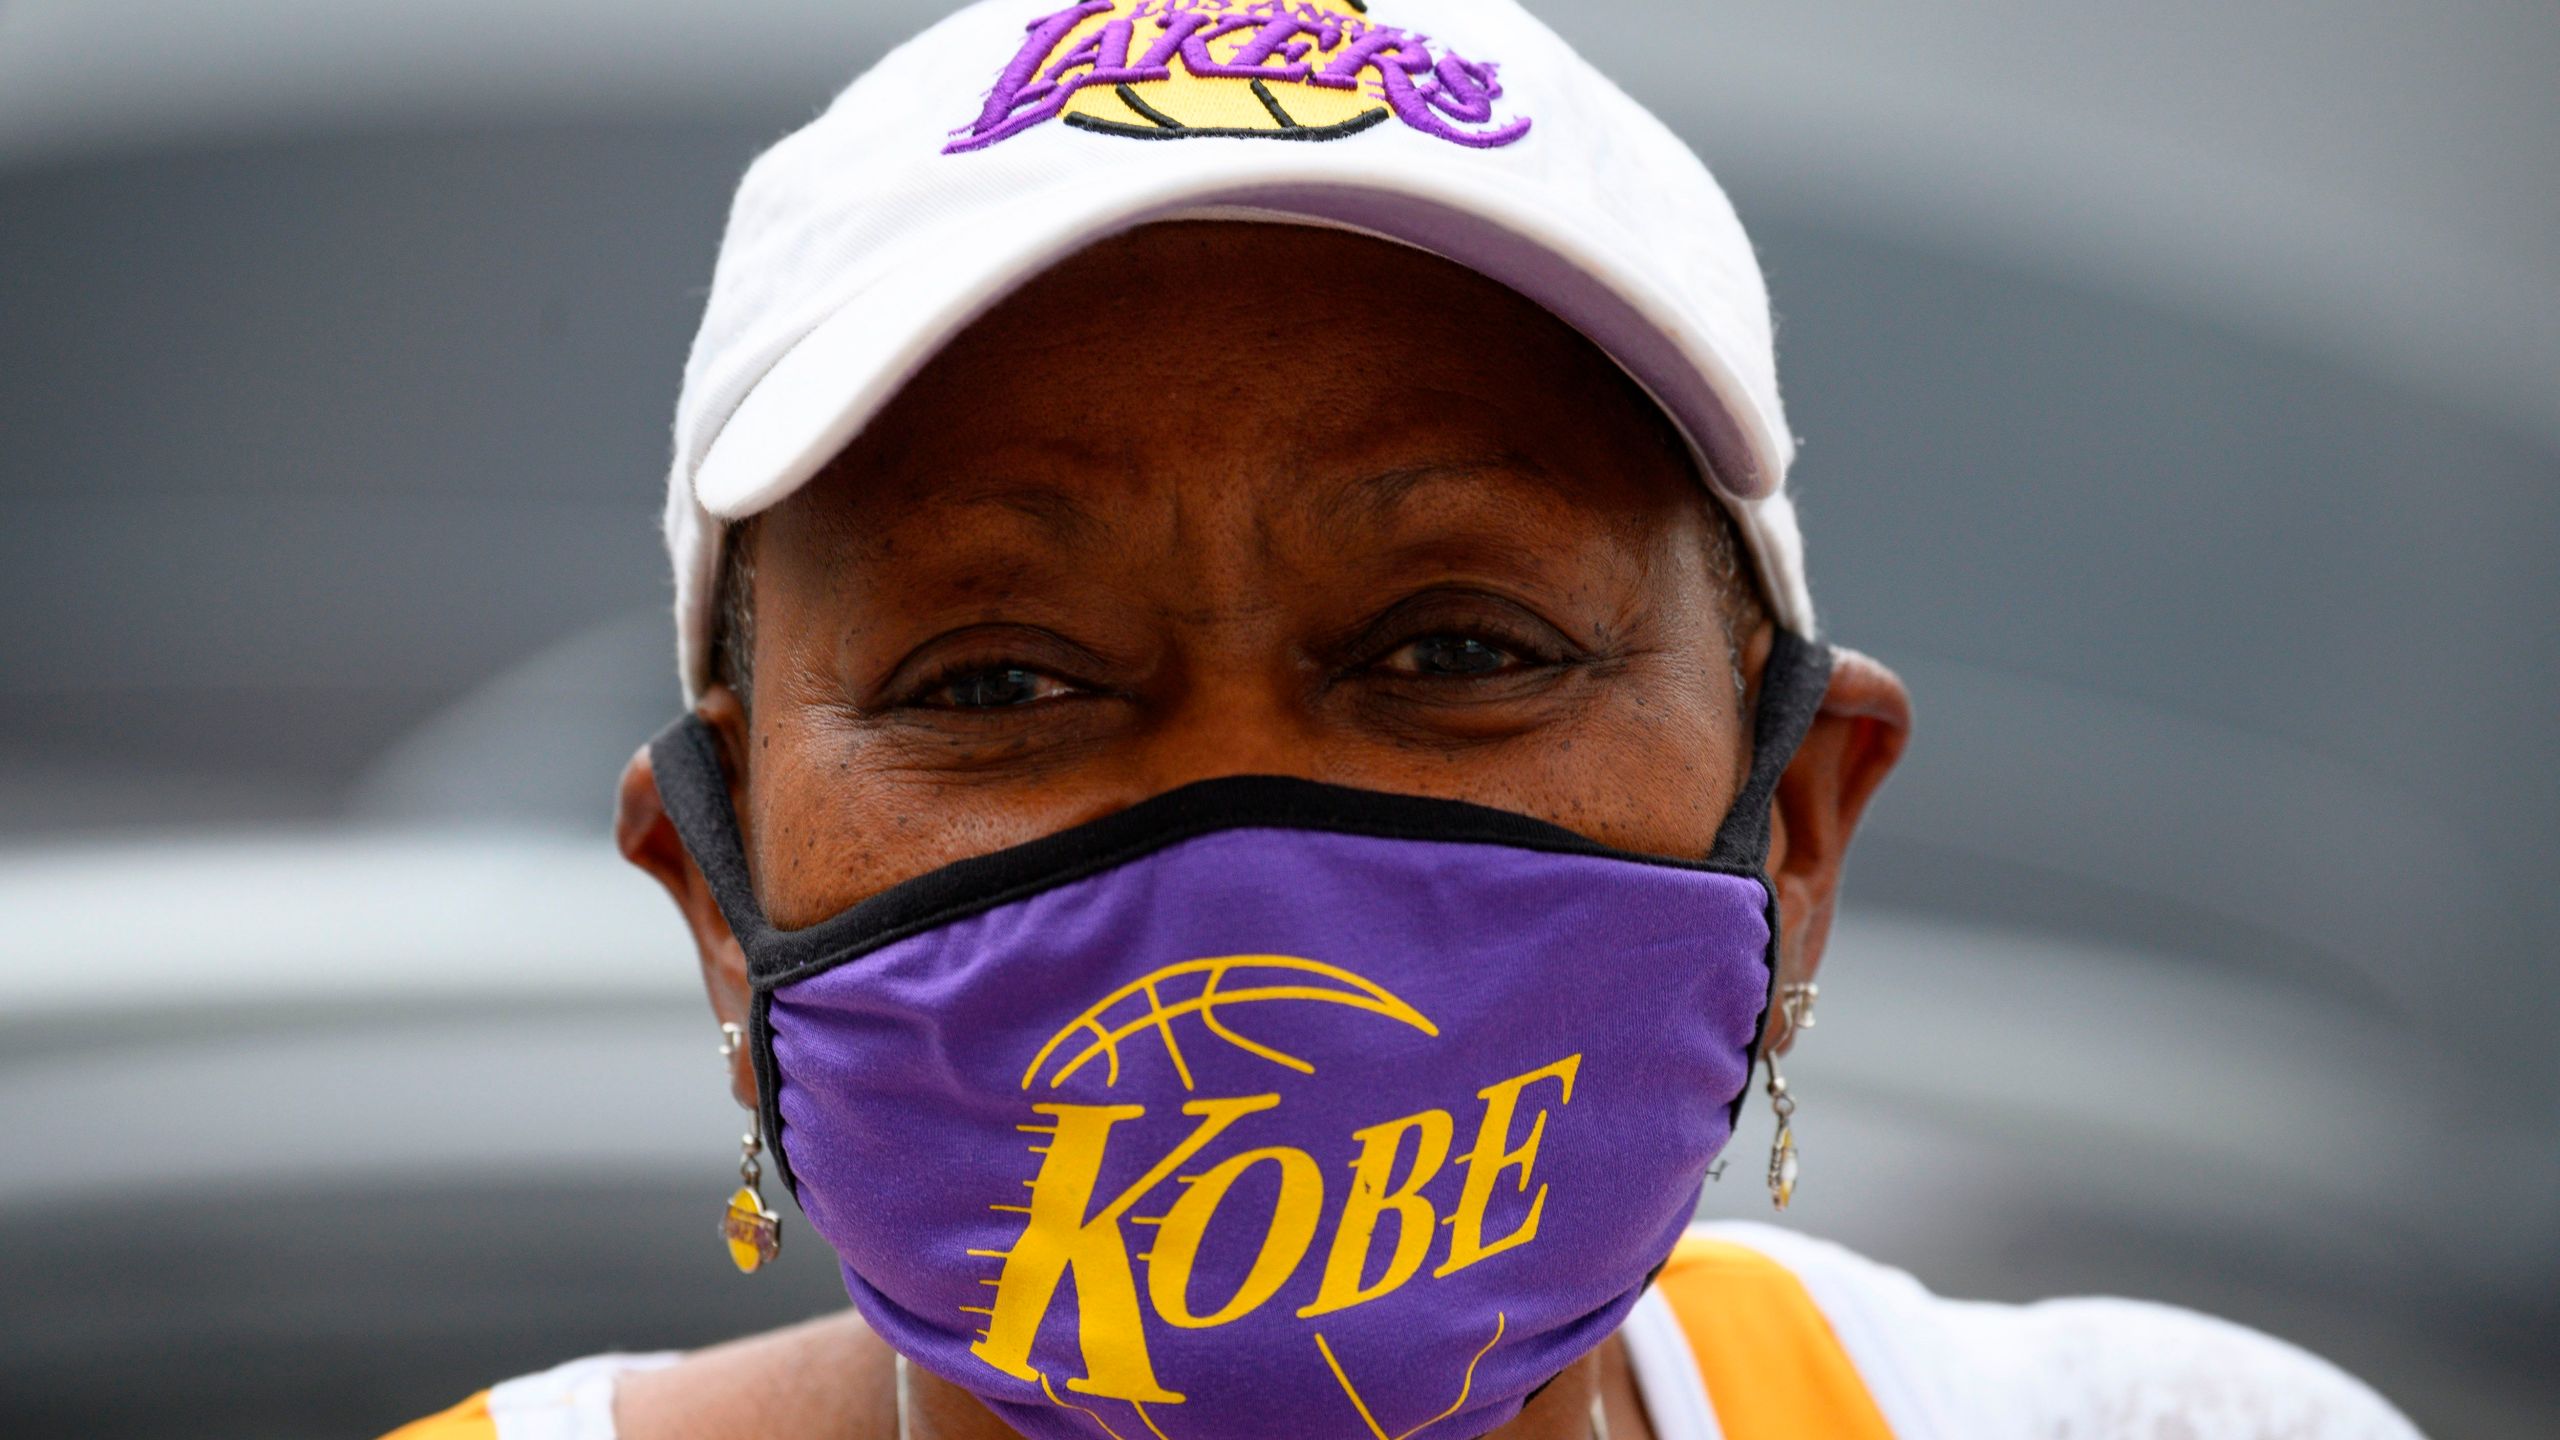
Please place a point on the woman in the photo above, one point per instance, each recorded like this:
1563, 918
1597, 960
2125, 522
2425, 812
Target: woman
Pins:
1259, 786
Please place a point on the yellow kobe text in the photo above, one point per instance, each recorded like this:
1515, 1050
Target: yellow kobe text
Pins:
1493, 1154
1375, 1194
1066, 1234
1072, 1232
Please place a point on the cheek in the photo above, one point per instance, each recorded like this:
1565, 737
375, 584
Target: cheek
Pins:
836, 813
1653, 762
1647, 759
824, 832
1655, 767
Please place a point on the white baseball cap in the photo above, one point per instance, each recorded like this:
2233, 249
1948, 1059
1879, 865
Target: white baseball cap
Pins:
1017, 132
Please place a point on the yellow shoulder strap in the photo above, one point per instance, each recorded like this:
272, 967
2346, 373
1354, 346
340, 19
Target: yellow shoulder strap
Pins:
1773, 1369
466, 1421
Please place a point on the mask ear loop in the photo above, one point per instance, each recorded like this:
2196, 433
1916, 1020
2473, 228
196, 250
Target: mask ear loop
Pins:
1792, 685
694, 786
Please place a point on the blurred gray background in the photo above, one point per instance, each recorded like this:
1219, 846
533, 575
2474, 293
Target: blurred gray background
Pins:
2181, 388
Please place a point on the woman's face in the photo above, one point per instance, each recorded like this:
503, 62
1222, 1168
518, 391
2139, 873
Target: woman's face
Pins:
1232, 499
1216, 499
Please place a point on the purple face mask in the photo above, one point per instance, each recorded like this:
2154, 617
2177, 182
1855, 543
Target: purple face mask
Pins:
1264, 1110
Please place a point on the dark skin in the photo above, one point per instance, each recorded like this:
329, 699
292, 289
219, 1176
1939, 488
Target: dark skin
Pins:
1361, 517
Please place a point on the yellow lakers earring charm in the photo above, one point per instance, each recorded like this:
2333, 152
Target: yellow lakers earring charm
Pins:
754, 1232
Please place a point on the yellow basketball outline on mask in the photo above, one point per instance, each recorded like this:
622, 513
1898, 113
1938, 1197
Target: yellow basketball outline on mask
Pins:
1362, 994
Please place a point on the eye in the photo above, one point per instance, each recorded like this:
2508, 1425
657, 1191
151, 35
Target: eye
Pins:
1452, 657
994, 687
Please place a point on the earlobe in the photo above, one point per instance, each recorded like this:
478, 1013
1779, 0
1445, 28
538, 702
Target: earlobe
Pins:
647, 838
1855, 741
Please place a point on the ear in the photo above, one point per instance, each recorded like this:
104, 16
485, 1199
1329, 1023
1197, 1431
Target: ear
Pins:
1852, 747
648, 839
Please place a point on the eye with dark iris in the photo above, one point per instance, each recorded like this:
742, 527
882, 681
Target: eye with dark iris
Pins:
999, 687
1453, 657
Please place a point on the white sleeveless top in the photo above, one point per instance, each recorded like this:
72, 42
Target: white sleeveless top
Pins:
1933, 1369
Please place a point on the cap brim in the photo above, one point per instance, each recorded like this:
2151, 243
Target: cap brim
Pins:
830, 383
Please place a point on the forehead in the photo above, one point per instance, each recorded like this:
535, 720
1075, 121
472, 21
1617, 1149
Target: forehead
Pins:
1317, 369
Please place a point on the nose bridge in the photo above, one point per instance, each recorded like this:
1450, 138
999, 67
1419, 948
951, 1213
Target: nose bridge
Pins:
1239, 702
1237, 693
1205, 742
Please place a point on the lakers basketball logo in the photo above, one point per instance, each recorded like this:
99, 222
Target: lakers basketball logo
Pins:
1265, 69
1224, 1212
1141, 1008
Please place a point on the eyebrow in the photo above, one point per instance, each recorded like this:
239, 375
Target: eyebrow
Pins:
1374, 497
1063, 516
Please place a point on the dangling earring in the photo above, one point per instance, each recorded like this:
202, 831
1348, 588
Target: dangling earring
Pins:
1782, 1150
1796, 1001
754, 1232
